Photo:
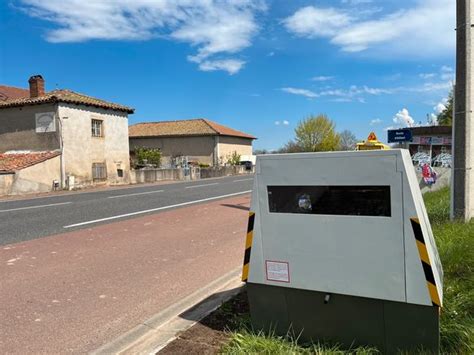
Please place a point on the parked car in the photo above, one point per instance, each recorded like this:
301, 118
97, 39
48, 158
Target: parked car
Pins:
248, 164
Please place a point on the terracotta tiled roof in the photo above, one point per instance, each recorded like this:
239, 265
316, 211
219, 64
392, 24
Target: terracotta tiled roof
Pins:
11, 162
66, 96
10, 92
195, 127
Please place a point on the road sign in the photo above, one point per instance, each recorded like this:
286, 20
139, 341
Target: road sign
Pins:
399, 135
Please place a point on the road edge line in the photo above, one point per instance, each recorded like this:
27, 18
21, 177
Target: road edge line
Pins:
155, 333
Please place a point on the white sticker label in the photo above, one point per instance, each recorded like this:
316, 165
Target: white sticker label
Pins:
277, 271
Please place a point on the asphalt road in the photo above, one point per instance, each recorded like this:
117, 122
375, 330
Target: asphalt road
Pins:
22, 220
75, 291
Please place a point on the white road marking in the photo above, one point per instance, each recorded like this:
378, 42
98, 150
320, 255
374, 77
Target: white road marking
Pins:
39, 206
192, 187
135, 194
156, 209
242, 180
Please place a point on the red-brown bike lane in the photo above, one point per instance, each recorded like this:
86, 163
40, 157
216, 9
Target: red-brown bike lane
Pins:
75, 291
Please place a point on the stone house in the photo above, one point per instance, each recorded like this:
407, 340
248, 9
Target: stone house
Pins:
90, 134
29, 172
200, 140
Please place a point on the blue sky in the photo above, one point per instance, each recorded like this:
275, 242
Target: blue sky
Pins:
258, 66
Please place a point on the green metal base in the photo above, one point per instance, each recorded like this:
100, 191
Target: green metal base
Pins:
347, 320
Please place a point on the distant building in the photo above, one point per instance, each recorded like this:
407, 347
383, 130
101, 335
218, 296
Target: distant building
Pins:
91, 134
200, 140
427, 144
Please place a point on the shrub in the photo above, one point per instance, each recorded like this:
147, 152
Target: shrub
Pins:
233, 159
146, 156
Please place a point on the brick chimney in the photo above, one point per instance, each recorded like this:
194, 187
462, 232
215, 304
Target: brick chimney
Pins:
36, 86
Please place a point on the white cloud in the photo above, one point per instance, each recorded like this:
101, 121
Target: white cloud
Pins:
285, 122
447, 73
357, 2
375, 121
360, 93
354, 93
407, 33
403, 118
322, 78
440, 107
446, 69
430, 87
427, 75
277, 123
315, 22
303, 92
232, 66
214, 27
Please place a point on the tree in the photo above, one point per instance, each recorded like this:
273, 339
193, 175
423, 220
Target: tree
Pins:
148, 156
316, 134
445, 117
260, 151
348, 140
290, 147
233, 159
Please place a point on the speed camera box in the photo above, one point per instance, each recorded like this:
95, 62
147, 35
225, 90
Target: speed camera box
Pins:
339, 248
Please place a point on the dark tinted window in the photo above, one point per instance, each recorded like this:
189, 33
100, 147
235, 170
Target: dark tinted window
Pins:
330, 200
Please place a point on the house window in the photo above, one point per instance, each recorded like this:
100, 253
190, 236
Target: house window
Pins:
99, 171
97, 128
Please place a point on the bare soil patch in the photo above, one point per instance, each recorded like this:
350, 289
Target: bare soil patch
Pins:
211, 333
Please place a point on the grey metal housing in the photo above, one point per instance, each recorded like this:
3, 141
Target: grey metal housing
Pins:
316, 272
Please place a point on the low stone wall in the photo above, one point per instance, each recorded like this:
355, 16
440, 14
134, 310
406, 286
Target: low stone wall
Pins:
443, 178
222, 171
151, 175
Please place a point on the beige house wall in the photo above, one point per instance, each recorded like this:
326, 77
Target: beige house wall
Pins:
81, 150
36, 178
200, 149
6, 182
228, 145
18, 129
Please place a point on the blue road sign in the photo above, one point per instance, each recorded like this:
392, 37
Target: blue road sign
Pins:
399, 135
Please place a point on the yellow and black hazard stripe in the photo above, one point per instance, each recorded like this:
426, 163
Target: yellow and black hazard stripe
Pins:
248, 247
425, 262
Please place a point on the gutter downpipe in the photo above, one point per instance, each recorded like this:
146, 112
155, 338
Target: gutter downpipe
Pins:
61, 147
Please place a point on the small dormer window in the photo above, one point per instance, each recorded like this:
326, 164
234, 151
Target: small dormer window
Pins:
97, 128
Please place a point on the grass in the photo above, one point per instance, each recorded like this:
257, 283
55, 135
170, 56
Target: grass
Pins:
455, 243
247, 342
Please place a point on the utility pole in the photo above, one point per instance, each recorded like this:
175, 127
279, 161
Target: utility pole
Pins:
463, 135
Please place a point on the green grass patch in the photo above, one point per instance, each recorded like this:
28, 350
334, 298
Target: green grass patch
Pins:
455, 243
247, 342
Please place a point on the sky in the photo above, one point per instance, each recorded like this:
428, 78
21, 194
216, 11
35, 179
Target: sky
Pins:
259, 66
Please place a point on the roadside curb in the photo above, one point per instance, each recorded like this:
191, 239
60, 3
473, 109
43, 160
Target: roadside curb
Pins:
159, 330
